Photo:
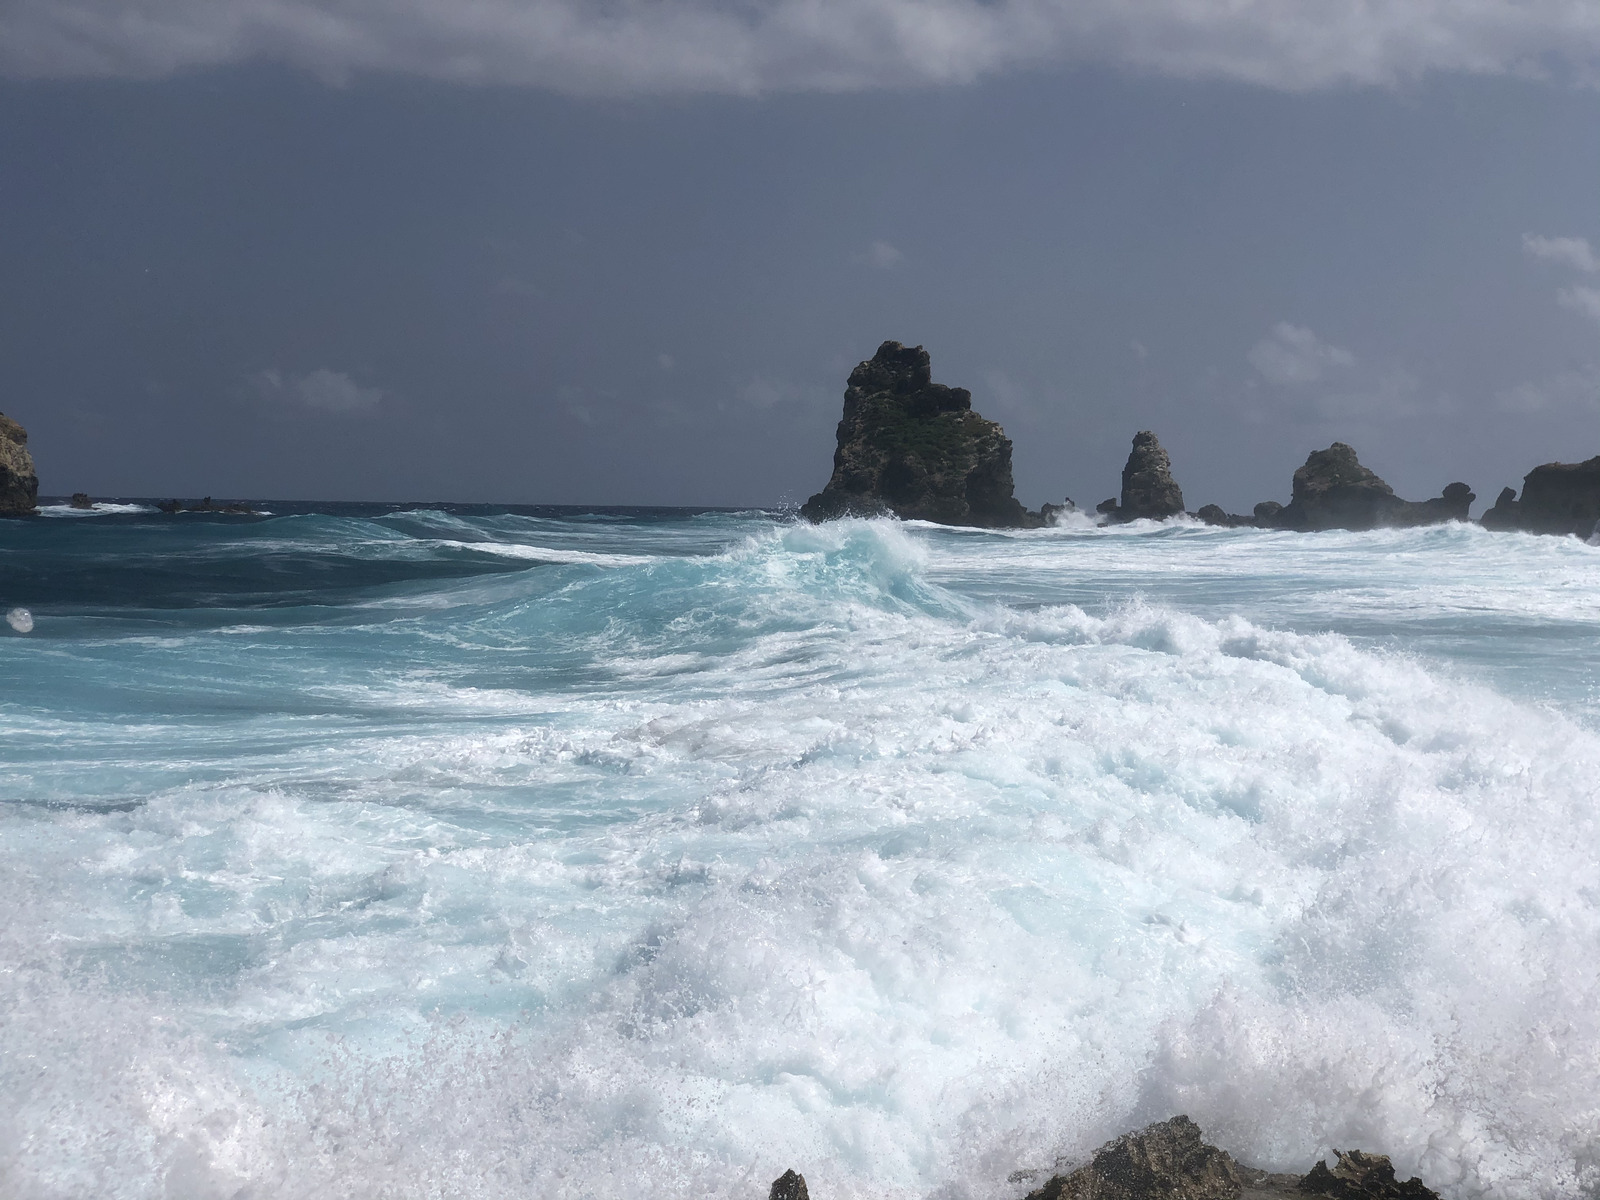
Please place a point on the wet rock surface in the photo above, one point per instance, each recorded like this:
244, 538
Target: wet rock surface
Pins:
1148, 489
791, 1185
1166, 1161
915, 448
1170, 1160
19, 482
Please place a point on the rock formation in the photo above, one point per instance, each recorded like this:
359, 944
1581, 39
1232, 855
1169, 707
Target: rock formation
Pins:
915, 448
1148, 489
1556, 498
19, 482
791, 1185
1170, 1161
80, 500
1334, 491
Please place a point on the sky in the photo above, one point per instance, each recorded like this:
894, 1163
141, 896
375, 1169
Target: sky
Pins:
607, 252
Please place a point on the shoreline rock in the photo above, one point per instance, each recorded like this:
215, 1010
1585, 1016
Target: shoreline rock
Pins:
916, 449
19, 482
1170, 1160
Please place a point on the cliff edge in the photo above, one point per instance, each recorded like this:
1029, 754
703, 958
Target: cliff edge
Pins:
19, 482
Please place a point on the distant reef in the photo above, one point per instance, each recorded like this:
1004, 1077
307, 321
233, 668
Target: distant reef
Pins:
915, 448
19, 482
1170, 1160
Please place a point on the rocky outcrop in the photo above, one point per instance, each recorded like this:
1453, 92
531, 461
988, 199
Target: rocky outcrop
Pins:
1170, 1161
173, 507
791, 1185
1334, 491
915, 448
1166, 1161
19, 482
1556, 498
1148, 489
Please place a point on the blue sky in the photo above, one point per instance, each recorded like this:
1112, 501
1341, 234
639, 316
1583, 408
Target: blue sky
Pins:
614, 253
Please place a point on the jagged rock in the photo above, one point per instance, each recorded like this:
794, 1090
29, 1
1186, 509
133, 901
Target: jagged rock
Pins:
1266, 513
1360, 1176
19, 482
81, 500
1556, 498
1165, 1161
1170, 1161
1148, 489
791, 1185
1334, 491
1506, 513
915, 448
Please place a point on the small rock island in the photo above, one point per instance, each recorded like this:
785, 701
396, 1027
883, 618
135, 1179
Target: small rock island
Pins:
914, 448
19, 482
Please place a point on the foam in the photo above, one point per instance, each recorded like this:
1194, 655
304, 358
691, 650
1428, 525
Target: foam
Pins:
809, 854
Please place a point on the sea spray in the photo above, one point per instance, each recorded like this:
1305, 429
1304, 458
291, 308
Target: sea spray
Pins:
714, 846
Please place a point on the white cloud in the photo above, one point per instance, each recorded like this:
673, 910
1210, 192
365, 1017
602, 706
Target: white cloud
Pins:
1570, 390
881, 255
1292, 354
1393, 396
1570, 251
1581, 299
321, 390
600, 46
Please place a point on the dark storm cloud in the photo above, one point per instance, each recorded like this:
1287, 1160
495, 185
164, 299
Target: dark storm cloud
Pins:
621, 47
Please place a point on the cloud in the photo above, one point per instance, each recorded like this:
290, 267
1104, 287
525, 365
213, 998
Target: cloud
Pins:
1581, 299
1292, 354
1394, 396
1570, 251
880, 255
321, 390
605, 47
1577, 390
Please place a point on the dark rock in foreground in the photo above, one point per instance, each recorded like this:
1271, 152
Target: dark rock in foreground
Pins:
1170, 1161
1556, 498
791, 1185
1167, 1161
19, 482
915, 448
1334, 491
1148, 489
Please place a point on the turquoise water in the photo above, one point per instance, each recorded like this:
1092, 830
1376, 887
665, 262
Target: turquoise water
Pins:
381, 852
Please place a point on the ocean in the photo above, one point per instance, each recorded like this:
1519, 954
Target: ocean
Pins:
460, 852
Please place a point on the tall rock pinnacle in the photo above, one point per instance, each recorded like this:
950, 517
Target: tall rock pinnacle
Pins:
916, 449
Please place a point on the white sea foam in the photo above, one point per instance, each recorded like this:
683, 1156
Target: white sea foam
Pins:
548, 554
798, 856
100, 508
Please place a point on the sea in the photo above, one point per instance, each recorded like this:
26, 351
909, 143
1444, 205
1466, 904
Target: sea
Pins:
458, 852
